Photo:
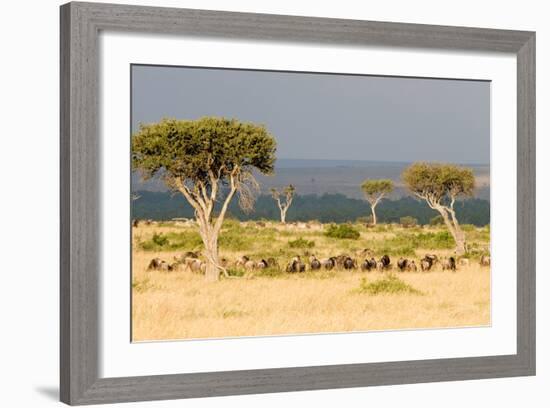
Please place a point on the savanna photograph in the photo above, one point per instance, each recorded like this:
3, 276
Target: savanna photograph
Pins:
268, 203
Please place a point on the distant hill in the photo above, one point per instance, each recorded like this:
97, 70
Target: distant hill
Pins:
333, 177
161, 205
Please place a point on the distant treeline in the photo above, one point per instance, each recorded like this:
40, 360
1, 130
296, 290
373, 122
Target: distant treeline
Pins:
325, 208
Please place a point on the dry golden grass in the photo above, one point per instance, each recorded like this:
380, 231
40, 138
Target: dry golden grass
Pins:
181, 305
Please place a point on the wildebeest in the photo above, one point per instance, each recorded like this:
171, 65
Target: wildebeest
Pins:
383, 263
372, 262
165, 266
340, 260
328, 263
158, 264
349, 263
365, 265
154, 264
368, 264
186, 258
449, 264
196, 265
411, 266
314, 263
241, 261
485, 260
428, 261
135, 223
296, 265
402, 264
262, 264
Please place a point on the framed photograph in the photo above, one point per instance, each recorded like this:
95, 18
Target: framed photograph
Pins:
259, 203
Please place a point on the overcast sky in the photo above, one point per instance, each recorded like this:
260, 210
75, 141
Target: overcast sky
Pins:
319, 116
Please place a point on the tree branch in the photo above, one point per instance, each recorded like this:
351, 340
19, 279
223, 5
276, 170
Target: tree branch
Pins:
186, 193
233, 184
289, 202
377, 200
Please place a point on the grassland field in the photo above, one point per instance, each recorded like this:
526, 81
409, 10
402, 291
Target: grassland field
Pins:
179, 304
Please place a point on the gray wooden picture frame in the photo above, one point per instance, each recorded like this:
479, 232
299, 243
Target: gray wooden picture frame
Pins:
80, 234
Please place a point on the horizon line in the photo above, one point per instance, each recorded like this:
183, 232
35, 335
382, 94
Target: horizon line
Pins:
385, 161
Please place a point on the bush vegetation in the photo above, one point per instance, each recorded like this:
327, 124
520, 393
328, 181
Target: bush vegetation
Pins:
301, 243
342, 231
408, 221
186, 240
388, 285
437, 220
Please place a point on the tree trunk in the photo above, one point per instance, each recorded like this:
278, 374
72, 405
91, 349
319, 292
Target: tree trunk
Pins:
210, 241
212, 272
460, 237
283, 216
372, 209
455, 230
460, 240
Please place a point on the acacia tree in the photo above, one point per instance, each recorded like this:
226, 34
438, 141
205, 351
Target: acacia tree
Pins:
374, 191
207, 160
288, 193
440, 185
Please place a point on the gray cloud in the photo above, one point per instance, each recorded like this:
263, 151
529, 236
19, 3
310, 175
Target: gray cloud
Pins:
319, 116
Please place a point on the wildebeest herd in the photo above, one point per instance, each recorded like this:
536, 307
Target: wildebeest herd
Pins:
191, 261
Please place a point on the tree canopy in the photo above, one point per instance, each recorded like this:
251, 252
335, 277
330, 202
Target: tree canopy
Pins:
373, 187
193, 149
437, 181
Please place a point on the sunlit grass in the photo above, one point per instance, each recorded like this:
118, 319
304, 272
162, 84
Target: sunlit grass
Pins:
179, 304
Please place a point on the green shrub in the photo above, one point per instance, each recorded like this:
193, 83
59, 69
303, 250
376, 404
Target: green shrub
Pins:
235, 272
408, 222
148, 246
435, 240
425, 240
437, 220
390, 285
301, 243
342, 231
186, 240
269, 272
406, 243
160, 239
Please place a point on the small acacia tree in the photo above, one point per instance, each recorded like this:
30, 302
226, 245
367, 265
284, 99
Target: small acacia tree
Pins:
440, 185
374, 191
283, 204
207, 160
